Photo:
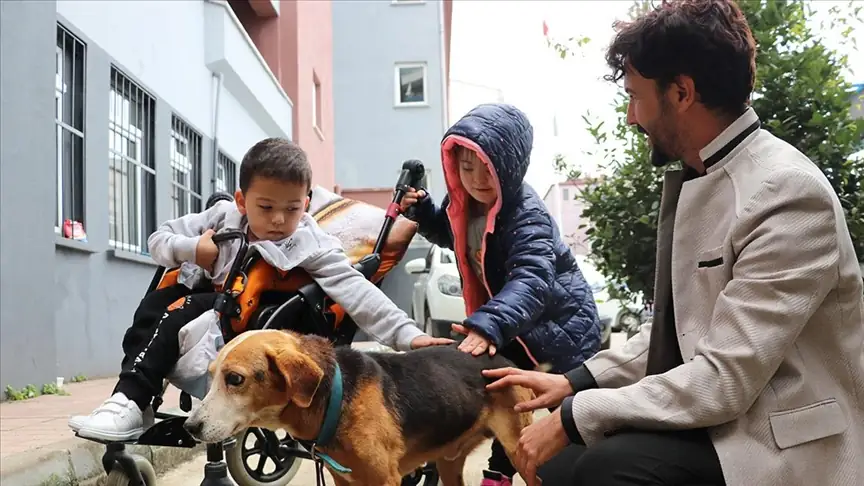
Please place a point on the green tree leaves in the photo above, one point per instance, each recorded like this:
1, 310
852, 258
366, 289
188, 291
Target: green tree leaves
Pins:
801, 97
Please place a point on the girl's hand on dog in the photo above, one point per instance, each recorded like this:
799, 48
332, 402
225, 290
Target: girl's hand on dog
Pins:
474, 342
411, 197
425, 341
206, 251
551, 389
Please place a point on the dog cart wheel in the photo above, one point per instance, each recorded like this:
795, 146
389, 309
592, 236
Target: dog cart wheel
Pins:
422, 476
120, 477
254, 461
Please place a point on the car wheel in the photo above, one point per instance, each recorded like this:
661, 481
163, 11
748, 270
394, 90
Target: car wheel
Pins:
607, 341
605, 336
630, 322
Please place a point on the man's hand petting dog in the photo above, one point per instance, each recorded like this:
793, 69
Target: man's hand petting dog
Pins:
545, 438
550, 389
538, 443
474, 342
426, 341
206, 251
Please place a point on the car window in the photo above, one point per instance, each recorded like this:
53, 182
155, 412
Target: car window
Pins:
429, 257
447, 256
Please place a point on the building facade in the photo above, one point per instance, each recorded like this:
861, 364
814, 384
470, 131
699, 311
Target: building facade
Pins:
296, 40
390, 71
109, 128
390, 98
563, 201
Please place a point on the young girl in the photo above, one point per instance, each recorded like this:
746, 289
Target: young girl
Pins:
524, 294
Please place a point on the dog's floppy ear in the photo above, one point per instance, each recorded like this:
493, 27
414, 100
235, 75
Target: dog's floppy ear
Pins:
302, 375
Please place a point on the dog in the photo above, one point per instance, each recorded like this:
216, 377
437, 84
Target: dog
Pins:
399, 410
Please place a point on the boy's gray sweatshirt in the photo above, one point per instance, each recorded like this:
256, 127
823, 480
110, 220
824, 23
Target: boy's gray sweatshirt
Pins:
173, 244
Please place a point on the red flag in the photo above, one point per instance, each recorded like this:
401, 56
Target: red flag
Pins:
545, 29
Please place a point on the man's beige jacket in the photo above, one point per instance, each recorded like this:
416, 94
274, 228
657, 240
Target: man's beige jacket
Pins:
769, 313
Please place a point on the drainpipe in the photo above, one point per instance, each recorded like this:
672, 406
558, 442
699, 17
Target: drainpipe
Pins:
442, 51
219, 78
445, 102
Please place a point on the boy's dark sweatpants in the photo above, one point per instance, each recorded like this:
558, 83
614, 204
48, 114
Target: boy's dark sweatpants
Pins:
499, 461
151, 347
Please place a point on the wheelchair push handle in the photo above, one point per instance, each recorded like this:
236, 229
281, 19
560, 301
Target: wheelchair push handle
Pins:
411, 175
224, 302
228, 236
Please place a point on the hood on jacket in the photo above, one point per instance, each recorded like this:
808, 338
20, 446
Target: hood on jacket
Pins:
502, 136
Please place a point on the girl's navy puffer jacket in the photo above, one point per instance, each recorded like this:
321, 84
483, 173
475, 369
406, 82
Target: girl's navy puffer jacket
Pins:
538, 292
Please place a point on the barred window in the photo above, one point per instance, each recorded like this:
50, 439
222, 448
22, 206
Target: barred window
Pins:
185, 168
69, 105
132, 173
226, 174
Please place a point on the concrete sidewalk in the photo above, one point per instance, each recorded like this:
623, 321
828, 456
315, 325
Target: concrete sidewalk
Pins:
38, 448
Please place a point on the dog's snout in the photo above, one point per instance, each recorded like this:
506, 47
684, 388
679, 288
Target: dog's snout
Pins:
194, 427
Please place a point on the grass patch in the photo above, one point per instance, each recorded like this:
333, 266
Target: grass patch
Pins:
30, 391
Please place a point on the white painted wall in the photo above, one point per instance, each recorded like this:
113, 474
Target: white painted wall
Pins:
238, 131
164, 45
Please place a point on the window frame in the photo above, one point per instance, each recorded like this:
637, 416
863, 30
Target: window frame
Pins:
136, 154
78, 210
317, 104
397, 88
191, 191
222, 159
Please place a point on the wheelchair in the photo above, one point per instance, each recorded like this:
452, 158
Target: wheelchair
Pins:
257, 296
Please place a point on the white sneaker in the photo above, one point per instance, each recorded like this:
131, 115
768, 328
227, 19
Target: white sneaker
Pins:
117, 419
78, 421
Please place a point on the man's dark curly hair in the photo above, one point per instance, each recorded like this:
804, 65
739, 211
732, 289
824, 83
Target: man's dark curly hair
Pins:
707, 40
275, 158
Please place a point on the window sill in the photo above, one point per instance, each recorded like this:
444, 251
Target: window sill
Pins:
132, 257
412, 105
71, 244
318, 132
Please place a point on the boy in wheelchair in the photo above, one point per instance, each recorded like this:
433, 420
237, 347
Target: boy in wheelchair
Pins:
270, 208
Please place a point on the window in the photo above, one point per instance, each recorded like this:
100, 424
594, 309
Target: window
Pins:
69, 117
565, 194
131, 173
430, 257
226, 174
316, 102
411, 84
447, 256
185, 168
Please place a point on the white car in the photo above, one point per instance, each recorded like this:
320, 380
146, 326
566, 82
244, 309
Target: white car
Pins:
614, 314
437, 301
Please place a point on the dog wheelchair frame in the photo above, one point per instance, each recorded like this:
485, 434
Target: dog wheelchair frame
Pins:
309, 303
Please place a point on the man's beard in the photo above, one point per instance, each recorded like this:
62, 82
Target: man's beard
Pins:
659, 157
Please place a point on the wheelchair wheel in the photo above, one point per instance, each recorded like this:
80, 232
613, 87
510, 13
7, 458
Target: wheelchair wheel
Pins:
426, 475
118, 476
250, 464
